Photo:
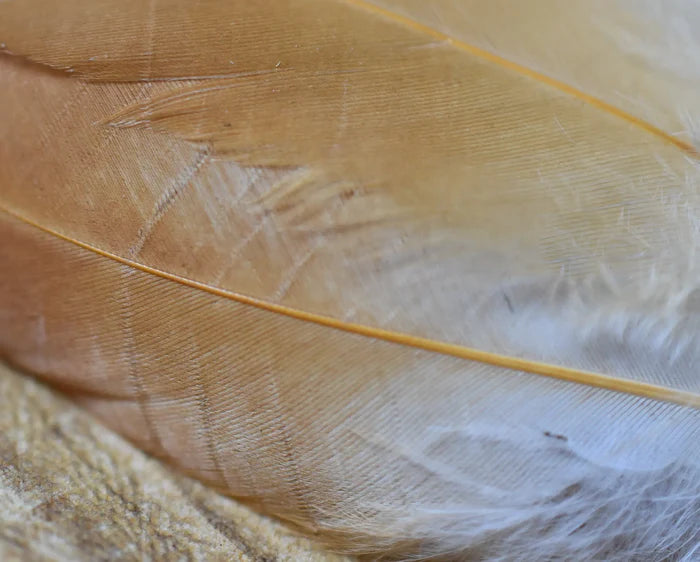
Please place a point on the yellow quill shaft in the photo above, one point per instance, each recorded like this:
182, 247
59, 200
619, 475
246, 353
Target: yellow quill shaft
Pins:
571, 375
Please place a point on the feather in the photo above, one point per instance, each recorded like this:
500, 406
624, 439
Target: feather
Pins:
408, 275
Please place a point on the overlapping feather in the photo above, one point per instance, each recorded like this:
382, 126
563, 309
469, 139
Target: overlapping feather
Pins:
333, 256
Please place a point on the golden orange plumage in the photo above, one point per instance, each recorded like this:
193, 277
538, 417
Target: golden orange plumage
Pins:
417, 276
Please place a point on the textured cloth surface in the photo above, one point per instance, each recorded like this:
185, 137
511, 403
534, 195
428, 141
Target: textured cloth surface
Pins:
72, 490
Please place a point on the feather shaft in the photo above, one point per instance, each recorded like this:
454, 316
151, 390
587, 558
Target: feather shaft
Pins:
606, 382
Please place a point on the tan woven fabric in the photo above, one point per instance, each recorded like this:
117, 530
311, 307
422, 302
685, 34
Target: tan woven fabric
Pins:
72, 490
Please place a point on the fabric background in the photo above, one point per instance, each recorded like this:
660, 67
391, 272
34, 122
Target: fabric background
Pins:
72, 490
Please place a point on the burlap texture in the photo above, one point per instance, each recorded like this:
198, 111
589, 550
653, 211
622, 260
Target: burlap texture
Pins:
71, 490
